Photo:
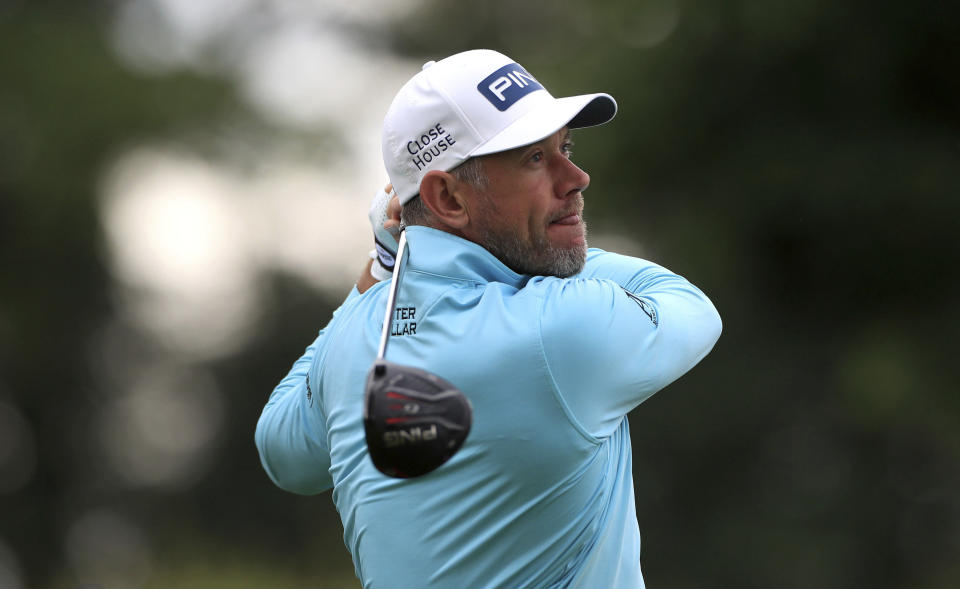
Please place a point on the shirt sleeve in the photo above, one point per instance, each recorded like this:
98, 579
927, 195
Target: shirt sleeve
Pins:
620, 331
291, 435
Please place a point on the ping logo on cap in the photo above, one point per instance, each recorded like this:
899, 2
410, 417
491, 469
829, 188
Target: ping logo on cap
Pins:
504, 87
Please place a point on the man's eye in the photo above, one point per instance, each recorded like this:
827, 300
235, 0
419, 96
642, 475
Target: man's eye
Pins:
567, 149
536, 157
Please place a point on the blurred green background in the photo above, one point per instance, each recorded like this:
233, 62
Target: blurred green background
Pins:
183, 188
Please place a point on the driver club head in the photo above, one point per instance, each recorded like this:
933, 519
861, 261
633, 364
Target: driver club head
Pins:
414, 420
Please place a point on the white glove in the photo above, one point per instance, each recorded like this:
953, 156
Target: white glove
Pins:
384, 240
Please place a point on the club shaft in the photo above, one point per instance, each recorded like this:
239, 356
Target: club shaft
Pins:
392, 296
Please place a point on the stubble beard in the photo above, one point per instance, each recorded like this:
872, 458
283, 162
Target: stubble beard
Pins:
535, 256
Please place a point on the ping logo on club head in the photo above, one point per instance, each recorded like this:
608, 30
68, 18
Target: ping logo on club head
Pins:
504, 87
413, 435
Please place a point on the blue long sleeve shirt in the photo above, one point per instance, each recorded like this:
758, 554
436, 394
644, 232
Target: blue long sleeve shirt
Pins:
541, 493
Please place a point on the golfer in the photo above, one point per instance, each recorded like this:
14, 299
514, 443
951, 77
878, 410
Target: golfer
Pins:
553, 344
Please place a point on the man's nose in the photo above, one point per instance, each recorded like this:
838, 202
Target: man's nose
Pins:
574, 179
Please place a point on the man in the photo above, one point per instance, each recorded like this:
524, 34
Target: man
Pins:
553, 345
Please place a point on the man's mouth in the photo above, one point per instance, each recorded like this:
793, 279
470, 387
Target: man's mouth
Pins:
571, 219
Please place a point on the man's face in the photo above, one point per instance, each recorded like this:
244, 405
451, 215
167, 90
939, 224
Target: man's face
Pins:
530, 213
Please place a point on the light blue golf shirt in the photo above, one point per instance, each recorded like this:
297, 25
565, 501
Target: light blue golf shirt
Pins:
541, 494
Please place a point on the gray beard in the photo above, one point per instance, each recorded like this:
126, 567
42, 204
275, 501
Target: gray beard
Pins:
536, 257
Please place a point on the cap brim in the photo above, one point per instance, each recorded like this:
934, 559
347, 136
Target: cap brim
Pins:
575, 112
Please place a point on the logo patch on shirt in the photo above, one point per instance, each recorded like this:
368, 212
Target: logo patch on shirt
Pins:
404, 321
504, 87
309, 393
645, 306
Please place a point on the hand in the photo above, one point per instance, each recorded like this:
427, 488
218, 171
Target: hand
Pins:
385, 221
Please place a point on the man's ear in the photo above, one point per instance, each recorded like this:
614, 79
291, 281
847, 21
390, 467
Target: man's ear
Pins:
444, 196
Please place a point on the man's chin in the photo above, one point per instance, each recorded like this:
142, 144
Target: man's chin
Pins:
566, 258
538, 257
568, 261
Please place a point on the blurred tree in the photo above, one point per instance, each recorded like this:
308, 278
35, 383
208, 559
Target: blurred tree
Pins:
67, 109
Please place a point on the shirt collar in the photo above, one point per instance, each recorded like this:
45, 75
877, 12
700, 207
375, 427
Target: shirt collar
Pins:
438, 252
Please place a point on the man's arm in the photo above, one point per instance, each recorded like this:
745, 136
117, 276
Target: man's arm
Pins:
291, 437
619, 332
291, 434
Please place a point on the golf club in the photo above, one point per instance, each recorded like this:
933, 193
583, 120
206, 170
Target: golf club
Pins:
414, 420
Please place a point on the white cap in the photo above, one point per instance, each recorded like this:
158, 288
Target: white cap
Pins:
474, 103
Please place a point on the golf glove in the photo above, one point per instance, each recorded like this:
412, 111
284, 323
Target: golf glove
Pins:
384, 240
